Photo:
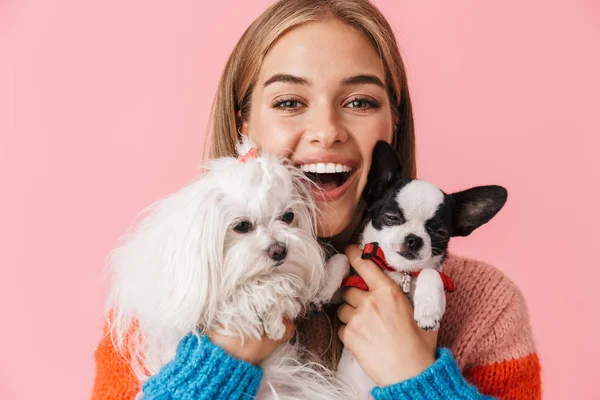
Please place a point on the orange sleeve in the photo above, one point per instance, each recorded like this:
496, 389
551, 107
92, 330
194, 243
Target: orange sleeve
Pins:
114, 378
505, 364
515, 379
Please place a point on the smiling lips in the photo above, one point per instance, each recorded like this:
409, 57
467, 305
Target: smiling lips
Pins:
330, 179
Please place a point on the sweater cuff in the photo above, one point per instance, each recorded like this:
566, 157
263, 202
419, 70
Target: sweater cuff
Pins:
203, 370
442, 380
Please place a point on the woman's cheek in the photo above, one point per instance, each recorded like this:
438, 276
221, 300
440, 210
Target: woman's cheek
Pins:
278, 135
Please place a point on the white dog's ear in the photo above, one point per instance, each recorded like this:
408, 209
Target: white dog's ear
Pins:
166, 273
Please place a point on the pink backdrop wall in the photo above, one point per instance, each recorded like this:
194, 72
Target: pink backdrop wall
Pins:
103, 108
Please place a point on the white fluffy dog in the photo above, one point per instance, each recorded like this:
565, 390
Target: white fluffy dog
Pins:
235, 251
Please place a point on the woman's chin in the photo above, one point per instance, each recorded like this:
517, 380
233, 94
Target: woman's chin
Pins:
327, 230
334, 220
339, 218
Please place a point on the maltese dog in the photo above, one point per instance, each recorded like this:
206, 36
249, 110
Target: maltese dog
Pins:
234, 252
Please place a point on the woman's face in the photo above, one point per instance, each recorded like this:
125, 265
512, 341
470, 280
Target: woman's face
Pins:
321, 101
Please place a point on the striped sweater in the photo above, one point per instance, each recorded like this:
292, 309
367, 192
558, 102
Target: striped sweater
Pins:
486, 330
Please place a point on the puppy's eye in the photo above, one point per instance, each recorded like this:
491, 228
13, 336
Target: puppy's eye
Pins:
391, 218
288, 217
242, 227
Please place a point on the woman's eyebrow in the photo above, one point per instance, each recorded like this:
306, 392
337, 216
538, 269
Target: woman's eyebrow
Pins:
353, 80
363, 79
286, 78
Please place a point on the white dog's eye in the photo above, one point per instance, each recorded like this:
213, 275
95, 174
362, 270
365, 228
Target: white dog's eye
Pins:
288, 217
242, 227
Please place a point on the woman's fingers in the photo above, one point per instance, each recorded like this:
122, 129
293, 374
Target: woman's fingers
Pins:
345, 313
342, 334
354, 296
431, 338
368, 270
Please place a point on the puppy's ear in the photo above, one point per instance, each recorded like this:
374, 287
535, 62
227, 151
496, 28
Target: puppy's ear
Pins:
475, 207
385, 168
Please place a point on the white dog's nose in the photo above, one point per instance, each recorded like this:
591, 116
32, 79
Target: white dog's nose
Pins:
277, 251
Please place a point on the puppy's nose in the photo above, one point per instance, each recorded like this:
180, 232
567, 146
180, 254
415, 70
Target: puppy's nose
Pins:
413, 242
277, 251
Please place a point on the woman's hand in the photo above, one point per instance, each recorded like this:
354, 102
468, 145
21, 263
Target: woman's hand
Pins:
380, 330
252, 350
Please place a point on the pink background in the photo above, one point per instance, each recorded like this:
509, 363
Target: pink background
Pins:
103, 107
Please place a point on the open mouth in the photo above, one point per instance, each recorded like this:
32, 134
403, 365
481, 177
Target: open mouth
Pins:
331, 180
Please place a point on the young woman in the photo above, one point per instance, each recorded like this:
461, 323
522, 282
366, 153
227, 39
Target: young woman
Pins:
323, 81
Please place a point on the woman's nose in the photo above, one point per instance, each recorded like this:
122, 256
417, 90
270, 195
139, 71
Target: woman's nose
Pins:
327, 127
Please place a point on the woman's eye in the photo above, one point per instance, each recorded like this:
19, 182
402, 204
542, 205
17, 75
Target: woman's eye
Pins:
288, 217
362, 103
288, 104
242, 227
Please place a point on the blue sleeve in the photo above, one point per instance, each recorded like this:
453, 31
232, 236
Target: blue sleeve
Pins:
442, 380
202, 370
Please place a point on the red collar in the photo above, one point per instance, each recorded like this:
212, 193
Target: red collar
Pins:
373, 252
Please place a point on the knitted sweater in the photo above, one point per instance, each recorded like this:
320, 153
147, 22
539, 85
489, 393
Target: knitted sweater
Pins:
202, 370
485, 328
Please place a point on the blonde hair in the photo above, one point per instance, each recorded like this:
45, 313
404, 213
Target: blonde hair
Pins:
242, 69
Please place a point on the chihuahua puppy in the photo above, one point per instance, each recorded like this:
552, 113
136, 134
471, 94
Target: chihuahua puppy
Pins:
411, 223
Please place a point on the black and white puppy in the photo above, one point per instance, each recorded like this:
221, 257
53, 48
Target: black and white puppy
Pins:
412, 222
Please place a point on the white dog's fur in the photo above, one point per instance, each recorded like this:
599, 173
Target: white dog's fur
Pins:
185, 269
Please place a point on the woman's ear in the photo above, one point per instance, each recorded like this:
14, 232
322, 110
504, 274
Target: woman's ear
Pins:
242, 124
385, 169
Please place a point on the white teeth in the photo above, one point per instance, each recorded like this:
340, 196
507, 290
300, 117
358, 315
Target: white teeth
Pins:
325, 168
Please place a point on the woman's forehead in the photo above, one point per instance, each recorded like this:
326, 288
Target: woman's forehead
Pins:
322, 52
